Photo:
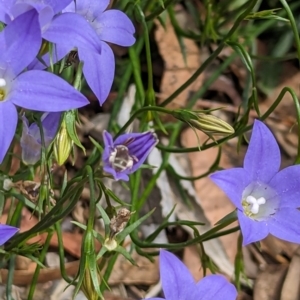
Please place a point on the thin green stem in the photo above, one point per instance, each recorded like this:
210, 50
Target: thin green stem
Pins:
293, 25
212, 56
38, 267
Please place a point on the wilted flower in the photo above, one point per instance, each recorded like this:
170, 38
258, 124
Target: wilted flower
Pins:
179, 284
266, 199
127, 153
31, 141
6, 233
35, 90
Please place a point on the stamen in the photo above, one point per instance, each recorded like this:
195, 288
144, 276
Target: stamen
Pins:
120, 158
255, 203
2, 82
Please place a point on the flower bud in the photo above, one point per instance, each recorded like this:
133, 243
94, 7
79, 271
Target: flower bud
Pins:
63, 145
209, 124
87, 285
31, 142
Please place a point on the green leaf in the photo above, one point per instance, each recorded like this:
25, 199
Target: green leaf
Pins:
70, 119
125, 253
105, 218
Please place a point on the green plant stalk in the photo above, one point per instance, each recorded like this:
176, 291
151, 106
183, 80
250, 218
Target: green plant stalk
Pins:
172, 246
138, 112
51, 218
11, 268
38, 267
241, 131
61, 253
238, 263
149, 99
123, 86
111, 262
293, 25
211, 169
77, 80
158, 10
134, 58
212, 56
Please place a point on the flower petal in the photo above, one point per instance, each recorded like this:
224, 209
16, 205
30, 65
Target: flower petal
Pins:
58, 5
6, 233
99, 70
285, 224
8, 125
88, 8
45, 11
175, 276
252, 231
22, 39
262, 160
141, 148
232, 182
115, 27
116, 175
50, 122
43, 91
214, 287
71, 30
5, 7
31, 148
287, 185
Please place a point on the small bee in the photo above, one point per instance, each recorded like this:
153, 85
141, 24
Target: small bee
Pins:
120, 158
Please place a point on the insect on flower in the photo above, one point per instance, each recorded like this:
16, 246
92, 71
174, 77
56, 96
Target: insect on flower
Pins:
127, 153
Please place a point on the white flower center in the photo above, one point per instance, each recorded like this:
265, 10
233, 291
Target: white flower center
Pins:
120, 159
2, 82
254, 203
2, 88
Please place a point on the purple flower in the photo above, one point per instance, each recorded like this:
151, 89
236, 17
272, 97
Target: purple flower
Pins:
111, 26
178, 283
127, 153
266, 199
6, 233
31, 141
35, 90
85, 26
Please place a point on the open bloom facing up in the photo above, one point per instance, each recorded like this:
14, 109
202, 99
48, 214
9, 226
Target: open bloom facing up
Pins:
127, 153
6, 233
31, 141
36, 90
179, 284
266, 198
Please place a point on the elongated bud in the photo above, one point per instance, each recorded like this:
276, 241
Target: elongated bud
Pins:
208, 124
63, 145
91, 270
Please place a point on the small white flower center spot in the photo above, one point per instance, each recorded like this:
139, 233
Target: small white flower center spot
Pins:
2, 82
255, 203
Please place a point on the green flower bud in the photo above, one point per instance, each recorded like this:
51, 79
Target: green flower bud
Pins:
209, 124
63, 145
87, 285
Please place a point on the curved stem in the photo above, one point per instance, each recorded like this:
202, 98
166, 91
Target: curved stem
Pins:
212, 57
